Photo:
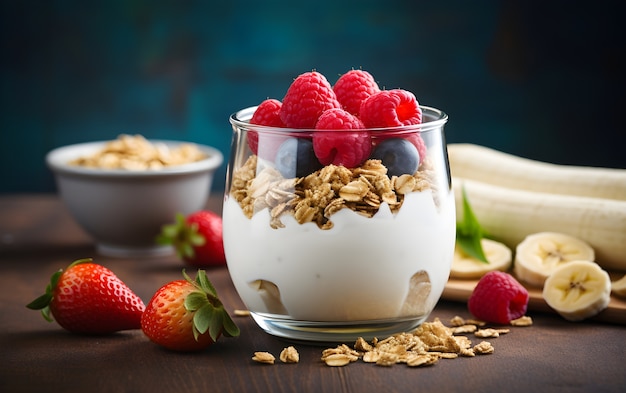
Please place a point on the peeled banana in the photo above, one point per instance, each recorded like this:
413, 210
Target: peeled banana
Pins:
539, 254
578, 290
509, 215
495, 167
500, 257
618, 287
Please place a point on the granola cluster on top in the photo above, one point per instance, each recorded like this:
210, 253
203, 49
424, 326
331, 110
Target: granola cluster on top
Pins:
315, 197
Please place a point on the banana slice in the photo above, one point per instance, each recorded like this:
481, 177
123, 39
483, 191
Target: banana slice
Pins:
618, 287
539, 254
578, 290
499, 256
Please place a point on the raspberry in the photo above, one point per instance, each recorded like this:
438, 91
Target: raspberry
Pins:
307, 98
353, 87
390, 108
266, 114
338, 119
347, 148
498, 298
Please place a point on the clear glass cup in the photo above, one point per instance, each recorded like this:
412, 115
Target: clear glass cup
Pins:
326, 253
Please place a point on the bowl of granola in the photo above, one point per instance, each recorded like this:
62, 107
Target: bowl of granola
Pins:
338, 228
122, 191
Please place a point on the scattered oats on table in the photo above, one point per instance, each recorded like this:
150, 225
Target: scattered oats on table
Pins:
423, 347
289, 355
263, 357
522, 321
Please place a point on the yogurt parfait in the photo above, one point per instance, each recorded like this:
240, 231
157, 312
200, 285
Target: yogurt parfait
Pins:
338, 218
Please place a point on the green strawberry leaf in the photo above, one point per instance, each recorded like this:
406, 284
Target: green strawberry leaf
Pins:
195, 301
216, 324
230, 328
182, 236
43, 302
205, 283
203, 318
469, 232
209, 313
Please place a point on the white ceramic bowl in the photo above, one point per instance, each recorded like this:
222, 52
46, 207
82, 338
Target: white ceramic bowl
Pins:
124, 210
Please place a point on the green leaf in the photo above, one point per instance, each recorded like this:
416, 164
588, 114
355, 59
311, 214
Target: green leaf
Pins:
469, 232
181, 236
41, 302
209, 313
216, 324
195, 238
230, 328
45, 312
203, 318
205, 283
472, 247
195, 301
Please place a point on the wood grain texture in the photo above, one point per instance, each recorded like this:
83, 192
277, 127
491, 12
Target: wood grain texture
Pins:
38, 237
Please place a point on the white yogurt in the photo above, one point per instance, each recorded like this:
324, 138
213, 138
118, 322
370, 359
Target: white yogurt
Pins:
357, 270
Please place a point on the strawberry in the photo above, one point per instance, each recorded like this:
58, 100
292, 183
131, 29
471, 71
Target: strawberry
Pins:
187, 315
196, 238
89, 298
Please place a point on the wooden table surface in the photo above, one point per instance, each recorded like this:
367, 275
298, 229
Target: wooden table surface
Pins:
37, 237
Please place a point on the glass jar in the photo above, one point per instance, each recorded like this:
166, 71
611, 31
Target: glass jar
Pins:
329, 253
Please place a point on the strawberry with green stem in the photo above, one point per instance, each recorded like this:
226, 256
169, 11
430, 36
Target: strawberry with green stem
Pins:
187, 315
89, 298
197, 238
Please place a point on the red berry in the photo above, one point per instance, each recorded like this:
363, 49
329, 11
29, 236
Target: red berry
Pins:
307, 98
266, 114
347, 148
186, 315
197, 238
353, 87
338, 119
209, 225
498, 298
390, 108
89, 298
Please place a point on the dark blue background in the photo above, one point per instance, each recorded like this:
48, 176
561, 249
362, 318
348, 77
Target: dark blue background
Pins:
542, 79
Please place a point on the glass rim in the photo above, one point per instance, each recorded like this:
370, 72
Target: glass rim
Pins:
242, 117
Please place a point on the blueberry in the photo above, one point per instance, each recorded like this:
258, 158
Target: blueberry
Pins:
399, 156
296, 158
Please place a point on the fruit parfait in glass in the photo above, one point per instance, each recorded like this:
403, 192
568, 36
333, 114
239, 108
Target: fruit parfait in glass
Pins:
339, 218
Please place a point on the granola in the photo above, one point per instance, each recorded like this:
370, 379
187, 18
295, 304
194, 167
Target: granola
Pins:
263, 357
289, 355
316, 197
134, 152
424, 346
